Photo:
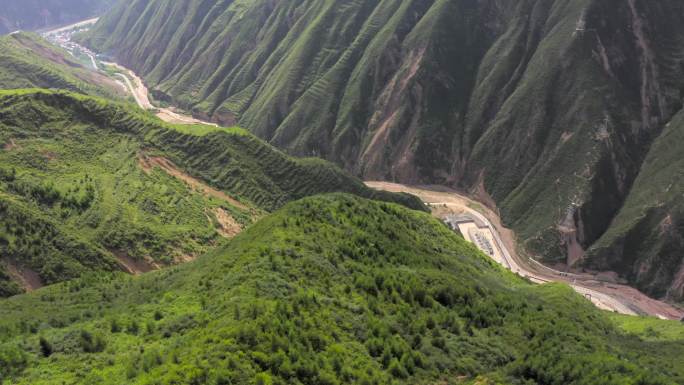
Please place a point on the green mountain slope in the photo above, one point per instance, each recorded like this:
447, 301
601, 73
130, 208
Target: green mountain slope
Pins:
328, 290
549, 107
87, 184
30, 15
647, 236
28, 61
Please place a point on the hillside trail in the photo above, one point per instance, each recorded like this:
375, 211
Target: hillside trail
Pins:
149, 162
607, 296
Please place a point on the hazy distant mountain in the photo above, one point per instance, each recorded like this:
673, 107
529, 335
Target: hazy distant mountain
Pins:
37, 14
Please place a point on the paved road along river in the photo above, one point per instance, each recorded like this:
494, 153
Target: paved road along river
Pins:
611, 297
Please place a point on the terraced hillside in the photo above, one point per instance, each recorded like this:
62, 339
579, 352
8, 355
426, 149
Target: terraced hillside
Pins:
28, 61
546, 107
87, 184
31, 15
328, 290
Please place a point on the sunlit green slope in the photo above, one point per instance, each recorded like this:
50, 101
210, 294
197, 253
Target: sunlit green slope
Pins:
331, 289
87, 184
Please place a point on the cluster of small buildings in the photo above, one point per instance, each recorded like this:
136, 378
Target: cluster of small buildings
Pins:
473, 230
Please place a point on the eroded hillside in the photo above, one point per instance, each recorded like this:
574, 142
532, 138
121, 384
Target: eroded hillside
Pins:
547, 107
88, 185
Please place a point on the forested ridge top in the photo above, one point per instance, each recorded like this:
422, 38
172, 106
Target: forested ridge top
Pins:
328, 290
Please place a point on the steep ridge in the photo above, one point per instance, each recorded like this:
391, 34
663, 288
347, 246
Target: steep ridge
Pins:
88, 184
328, 290
646, 238
547, 107
31, 15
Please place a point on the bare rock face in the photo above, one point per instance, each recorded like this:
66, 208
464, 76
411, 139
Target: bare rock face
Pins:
540, 104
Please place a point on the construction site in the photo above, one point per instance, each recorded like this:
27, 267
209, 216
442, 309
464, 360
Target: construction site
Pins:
477, 232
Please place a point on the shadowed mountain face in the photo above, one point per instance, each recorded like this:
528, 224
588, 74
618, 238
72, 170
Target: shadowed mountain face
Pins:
547, 107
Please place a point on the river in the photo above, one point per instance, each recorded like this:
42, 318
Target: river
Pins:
128, 79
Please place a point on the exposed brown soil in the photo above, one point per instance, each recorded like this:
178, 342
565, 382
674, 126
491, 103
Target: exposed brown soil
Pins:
134, 266
569, 238
184, 258
28, 279
380, 137
677, 287
49, 155
650, 88
481, 195
45, 52
86, 76
171, 116
11, 145
147, 163
384, 120
229, 227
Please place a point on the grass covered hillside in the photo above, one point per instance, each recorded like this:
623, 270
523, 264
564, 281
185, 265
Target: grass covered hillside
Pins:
549, 107
330, 289
646, 240
28, 61
89, 185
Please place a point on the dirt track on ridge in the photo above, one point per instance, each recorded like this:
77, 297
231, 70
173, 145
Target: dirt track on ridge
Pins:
149, 162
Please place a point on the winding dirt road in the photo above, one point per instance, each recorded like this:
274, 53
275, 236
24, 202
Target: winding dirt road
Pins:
141, 95
136, 87
611, 297
72, 26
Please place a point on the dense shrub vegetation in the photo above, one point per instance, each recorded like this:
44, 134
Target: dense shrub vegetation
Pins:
328, 290
76, 193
